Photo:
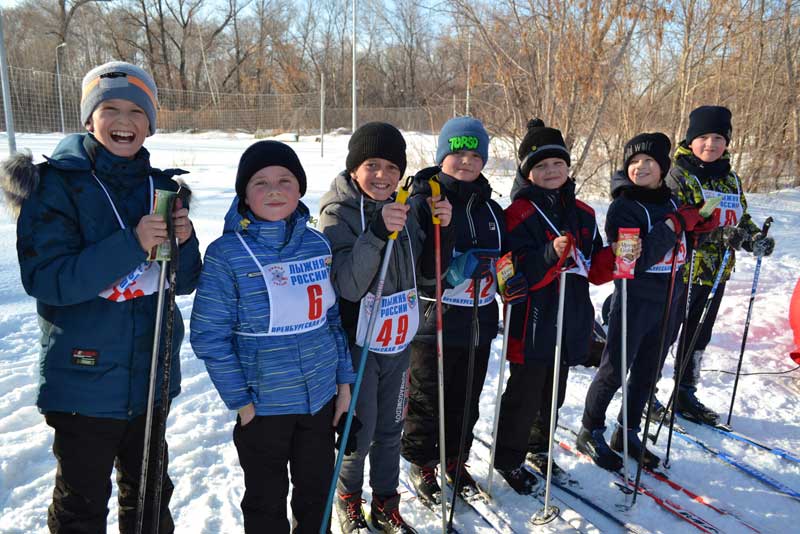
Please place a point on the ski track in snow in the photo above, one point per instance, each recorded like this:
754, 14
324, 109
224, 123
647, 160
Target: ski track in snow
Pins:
203, 461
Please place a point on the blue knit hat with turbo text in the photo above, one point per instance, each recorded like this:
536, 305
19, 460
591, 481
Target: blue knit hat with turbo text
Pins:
463, 133
117, 79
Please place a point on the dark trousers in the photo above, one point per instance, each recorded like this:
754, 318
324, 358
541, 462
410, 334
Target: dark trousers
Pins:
524, 424
644, 336
420, 442
87, 448
265, 445
699, 296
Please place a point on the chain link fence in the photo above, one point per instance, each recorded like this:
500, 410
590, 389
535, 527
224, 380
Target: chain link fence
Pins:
43, 102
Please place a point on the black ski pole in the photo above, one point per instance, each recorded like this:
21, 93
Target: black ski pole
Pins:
476, 292
760, 256
662, 340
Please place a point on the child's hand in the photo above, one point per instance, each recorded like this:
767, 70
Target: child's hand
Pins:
247, 413
441, 208
560, 245
180, 219
151, 231
394, 216
342, 402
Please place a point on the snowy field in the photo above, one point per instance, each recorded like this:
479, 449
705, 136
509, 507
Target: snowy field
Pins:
204, 465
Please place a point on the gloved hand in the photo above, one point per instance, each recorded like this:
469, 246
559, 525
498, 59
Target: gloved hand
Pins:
760, 245
474, 263
685, 218
708, 225
730, 236
352, 441
516, 290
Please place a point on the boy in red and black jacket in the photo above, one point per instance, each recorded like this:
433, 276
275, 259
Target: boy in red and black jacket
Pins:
542, 220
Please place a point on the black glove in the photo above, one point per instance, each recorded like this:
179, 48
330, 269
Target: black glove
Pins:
481, 265
760, 245
516, 290
352, 442
730, 236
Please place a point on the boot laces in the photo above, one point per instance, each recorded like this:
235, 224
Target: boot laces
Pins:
354, 511
428, 475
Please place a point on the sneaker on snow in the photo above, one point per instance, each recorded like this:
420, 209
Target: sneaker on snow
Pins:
467, 485
385, 516
651, 461
351, 513
424, 481
694, 410
538, 461
520, 479
593, 443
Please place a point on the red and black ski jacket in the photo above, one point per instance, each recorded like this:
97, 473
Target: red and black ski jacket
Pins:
535, 218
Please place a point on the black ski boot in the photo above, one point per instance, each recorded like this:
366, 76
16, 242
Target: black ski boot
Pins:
658, 411
351, 513
424, 481
651, 461
694, 410
520, 479
538, 462
468, 488
385, 516
593, 443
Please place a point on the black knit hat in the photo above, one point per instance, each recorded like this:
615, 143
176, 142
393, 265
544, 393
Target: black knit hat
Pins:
709, 119
264, 154
540, 142
656, 145
376, 140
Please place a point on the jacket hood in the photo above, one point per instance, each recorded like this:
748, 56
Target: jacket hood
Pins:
620, 182
236, 221
19, 177
345, 192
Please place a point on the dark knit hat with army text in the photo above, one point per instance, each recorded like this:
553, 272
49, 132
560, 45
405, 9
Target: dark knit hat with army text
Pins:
376, 140
709, 119
265, 154
656, 145
541, 142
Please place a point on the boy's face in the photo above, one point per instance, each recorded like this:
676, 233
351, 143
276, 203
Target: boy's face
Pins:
272, 194
377, 178
644, 171
550, 173
708, 147
464, 165
120, 125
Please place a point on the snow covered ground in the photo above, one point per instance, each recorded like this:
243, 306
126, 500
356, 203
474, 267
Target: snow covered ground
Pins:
204, 465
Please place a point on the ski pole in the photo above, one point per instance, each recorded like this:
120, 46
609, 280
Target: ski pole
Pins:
437, 234
657, 373
764, 231
151, 388
476, 293
402, 196
549, 512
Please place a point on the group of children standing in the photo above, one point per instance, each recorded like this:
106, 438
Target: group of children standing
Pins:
281, 311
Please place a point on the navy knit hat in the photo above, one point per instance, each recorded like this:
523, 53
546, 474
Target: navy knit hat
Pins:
264, 154
540, 142
709, 119
117, 79
656, 145
376, 140
463, 133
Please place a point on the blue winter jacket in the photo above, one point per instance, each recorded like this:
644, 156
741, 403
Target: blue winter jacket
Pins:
95, 353
285, 374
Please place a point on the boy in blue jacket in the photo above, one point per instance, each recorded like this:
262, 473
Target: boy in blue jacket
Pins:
266, 323
84, 232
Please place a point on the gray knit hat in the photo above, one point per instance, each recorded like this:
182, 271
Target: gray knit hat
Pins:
117, 79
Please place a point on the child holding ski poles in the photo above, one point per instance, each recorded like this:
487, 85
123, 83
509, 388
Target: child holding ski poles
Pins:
357, 215
641, 201
703, 170
266, 324
461, 155
85, 229
542, 220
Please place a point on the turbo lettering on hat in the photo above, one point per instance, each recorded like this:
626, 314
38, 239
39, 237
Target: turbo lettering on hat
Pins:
539, 143
656, 145
463, 133
709, 119
118, 79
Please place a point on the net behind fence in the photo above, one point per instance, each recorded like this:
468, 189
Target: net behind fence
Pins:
38, 108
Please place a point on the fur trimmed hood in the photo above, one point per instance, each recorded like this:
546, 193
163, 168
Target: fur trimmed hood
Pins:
19, 177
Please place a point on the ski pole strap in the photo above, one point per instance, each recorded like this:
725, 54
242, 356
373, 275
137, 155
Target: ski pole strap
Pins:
436, 190
401, 198
567, 251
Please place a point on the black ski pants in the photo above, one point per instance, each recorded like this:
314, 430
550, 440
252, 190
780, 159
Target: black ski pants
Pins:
420, 442
524, 424
87, 448
265, 445
698, 298
643, 359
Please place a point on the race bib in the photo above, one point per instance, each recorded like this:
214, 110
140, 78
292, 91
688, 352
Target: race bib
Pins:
396, 325
665, 265
582, 265
730, 207
464, 293
141, 282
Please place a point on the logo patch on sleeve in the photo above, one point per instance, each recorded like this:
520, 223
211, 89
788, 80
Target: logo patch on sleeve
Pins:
85, 357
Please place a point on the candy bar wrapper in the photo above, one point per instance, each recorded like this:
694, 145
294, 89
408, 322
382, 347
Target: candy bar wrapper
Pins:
505, 270
161, 205
626, 243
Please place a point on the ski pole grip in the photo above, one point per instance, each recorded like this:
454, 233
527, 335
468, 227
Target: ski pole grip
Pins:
436, 190
765, 228
401, 198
